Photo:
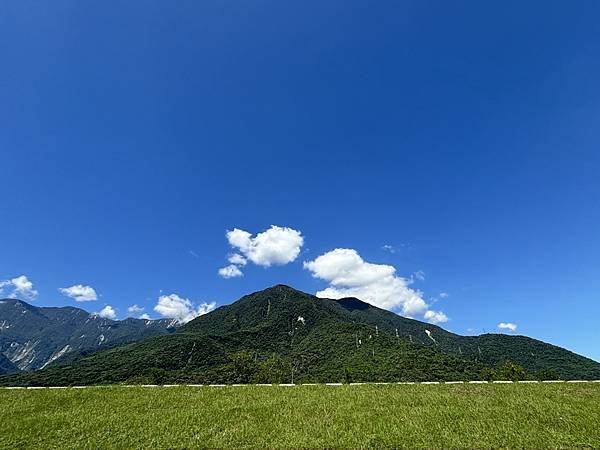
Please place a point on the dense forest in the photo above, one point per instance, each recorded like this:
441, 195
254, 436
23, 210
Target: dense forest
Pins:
284, 335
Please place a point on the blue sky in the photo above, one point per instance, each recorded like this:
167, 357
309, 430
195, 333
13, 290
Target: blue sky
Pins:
456, 142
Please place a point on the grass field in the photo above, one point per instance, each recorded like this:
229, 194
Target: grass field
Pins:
370, 416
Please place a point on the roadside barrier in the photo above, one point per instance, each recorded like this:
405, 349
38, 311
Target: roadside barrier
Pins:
438, 383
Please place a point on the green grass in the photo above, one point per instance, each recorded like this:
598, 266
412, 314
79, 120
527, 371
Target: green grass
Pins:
370, 416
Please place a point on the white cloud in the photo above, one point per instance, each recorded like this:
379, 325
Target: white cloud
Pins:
444, 295
145, 317
135, 309
230, 271
275, 246
349, 275
508, 326
19, 287
388, 248
237, 259
107, 312
80, 293
419, 275
182, 309
435, 317
205, 308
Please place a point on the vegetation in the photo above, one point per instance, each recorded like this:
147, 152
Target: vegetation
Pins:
511, 372
283, 335
368, 416
33, 337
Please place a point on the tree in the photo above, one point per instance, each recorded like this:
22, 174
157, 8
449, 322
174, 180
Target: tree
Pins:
488, 374
547, 374
274, 369
243, 366
511, 371
347, 375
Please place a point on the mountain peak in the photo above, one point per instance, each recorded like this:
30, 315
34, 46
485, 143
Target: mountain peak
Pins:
279, 292
322, 339
349, 303
11, 301
32, 337
283, 288
15, 302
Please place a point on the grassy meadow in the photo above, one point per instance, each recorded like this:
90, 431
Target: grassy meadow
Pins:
369, 416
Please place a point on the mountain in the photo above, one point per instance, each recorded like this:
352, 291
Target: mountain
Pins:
32, 338
283, 335
6, 366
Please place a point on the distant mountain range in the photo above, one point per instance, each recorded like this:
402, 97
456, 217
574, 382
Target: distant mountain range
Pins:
284, 335
33, 338
6, 366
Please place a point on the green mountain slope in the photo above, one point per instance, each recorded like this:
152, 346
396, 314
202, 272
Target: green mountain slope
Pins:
490, 349
280, 335
250, 313
32, 337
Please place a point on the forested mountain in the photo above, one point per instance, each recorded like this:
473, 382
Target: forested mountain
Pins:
283, 335
32, 338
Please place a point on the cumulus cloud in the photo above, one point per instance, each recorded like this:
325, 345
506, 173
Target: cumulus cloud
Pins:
274, 247
80, 293
237, 259
435, 317
508, 326
19, 287
230, 271
444, 295
182, 309
135, 309
349, 275
388, 248
107, 312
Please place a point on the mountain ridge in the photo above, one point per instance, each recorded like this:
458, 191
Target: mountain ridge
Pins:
479, 347
282, 335
33, 337
6, 366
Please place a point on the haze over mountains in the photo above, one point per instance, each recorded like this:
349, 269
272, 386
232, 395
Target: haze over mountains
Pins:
32, 338
284, 335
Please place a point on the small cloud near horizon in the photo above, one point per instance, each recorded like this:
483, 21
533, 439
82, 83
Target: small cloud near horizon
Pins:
181, 309
19, 287
80, 293
435, 317
108, 312
512, 327
348, 275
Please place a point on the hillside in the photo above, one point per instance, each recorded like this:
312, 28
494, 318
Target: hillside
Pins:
6, 366
280, 335
249, 313
32, 337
